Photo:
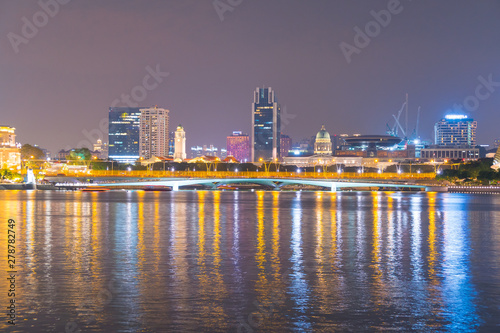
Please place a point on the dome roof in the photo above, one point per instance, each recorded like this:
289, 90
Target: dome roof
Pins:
323, 134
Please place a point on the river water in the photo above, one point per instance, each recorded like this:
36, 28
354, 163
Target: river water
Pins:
211, 261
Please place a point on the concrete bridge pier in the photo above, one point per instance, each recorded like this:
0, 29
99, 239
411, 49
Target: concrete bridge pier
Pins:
175, 187
333, 188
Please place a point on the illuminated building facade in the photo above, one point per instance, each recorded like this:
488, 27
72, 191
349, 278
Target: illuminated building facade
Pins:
285, 145
180, 144
10, 152
124, 134
266, 126
153, 133
455, 130
208, 150
238, 146
171, 144
323, 143
100, 150
496, 160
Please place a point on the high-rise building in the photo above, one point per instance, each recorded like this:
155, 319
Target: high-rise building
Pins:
238, 146
153, 134
10, 152
171, 144
124, 134
455, 130
266, 126
180, 144
285, 145
323, 143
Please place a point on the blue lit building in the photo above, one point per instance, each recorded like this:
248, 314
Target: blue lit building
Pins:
124, 134
455, 130
266, 126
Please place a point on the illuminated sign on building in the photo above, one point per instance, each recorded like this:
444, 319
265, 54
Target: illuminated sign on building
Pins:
456, 116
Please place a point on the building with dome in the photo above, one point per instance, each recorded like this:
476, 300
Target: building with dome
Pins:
323, 143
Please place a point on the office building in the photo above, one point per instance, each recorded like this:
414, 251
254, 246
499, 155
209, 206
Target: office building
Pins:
153, 134
171, 144
124, 134
266, 126
455, 130
238, 146
285, 145
10, 152
441, 153
180, 144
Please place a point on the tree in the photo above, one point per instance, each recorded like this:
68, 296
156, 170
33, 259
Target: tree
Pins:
30, 152
82, 154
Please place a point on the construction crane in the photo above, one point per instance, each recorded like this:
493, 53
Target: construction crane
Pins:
394, 130
414, 135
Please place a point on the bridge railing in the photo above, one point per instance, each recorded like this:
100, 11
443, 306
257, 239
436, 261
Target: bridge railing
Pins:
250, 174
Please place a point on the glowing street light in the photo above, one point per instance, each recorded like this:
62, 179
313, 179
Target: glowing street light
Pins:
298, 170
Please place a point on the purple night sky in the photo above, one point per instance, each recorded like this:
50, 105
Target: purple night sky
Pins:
64, 76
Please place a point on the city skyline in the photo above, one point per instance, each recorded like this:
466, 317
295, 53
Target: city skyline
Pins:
420, 52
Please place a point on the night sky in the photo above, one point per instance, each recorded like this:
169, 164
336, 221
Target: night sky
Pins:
63, 77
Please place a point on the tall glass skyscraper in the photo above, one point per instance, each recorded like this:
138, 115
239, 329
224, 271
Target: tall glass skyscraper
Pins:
266, 126
124, 126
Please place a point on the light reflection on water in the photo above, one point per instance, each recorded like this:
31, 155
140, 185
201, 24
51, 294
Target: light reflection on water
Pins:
262, 261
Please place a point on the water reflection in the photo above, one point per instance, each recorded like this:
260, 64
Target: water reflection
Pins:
274, 261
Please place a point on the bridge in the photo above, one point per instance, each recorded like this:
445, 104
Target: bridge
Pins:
276, 183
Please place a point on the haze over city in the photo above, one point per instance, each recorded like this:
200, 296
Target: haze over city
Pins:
63, 78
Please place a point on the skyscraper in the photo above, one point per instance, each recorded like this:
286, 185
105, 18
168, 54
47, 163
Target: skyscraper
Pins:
266, 126
238, 146
171, 144
153, 136
124, 134
455, 130
180, 144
